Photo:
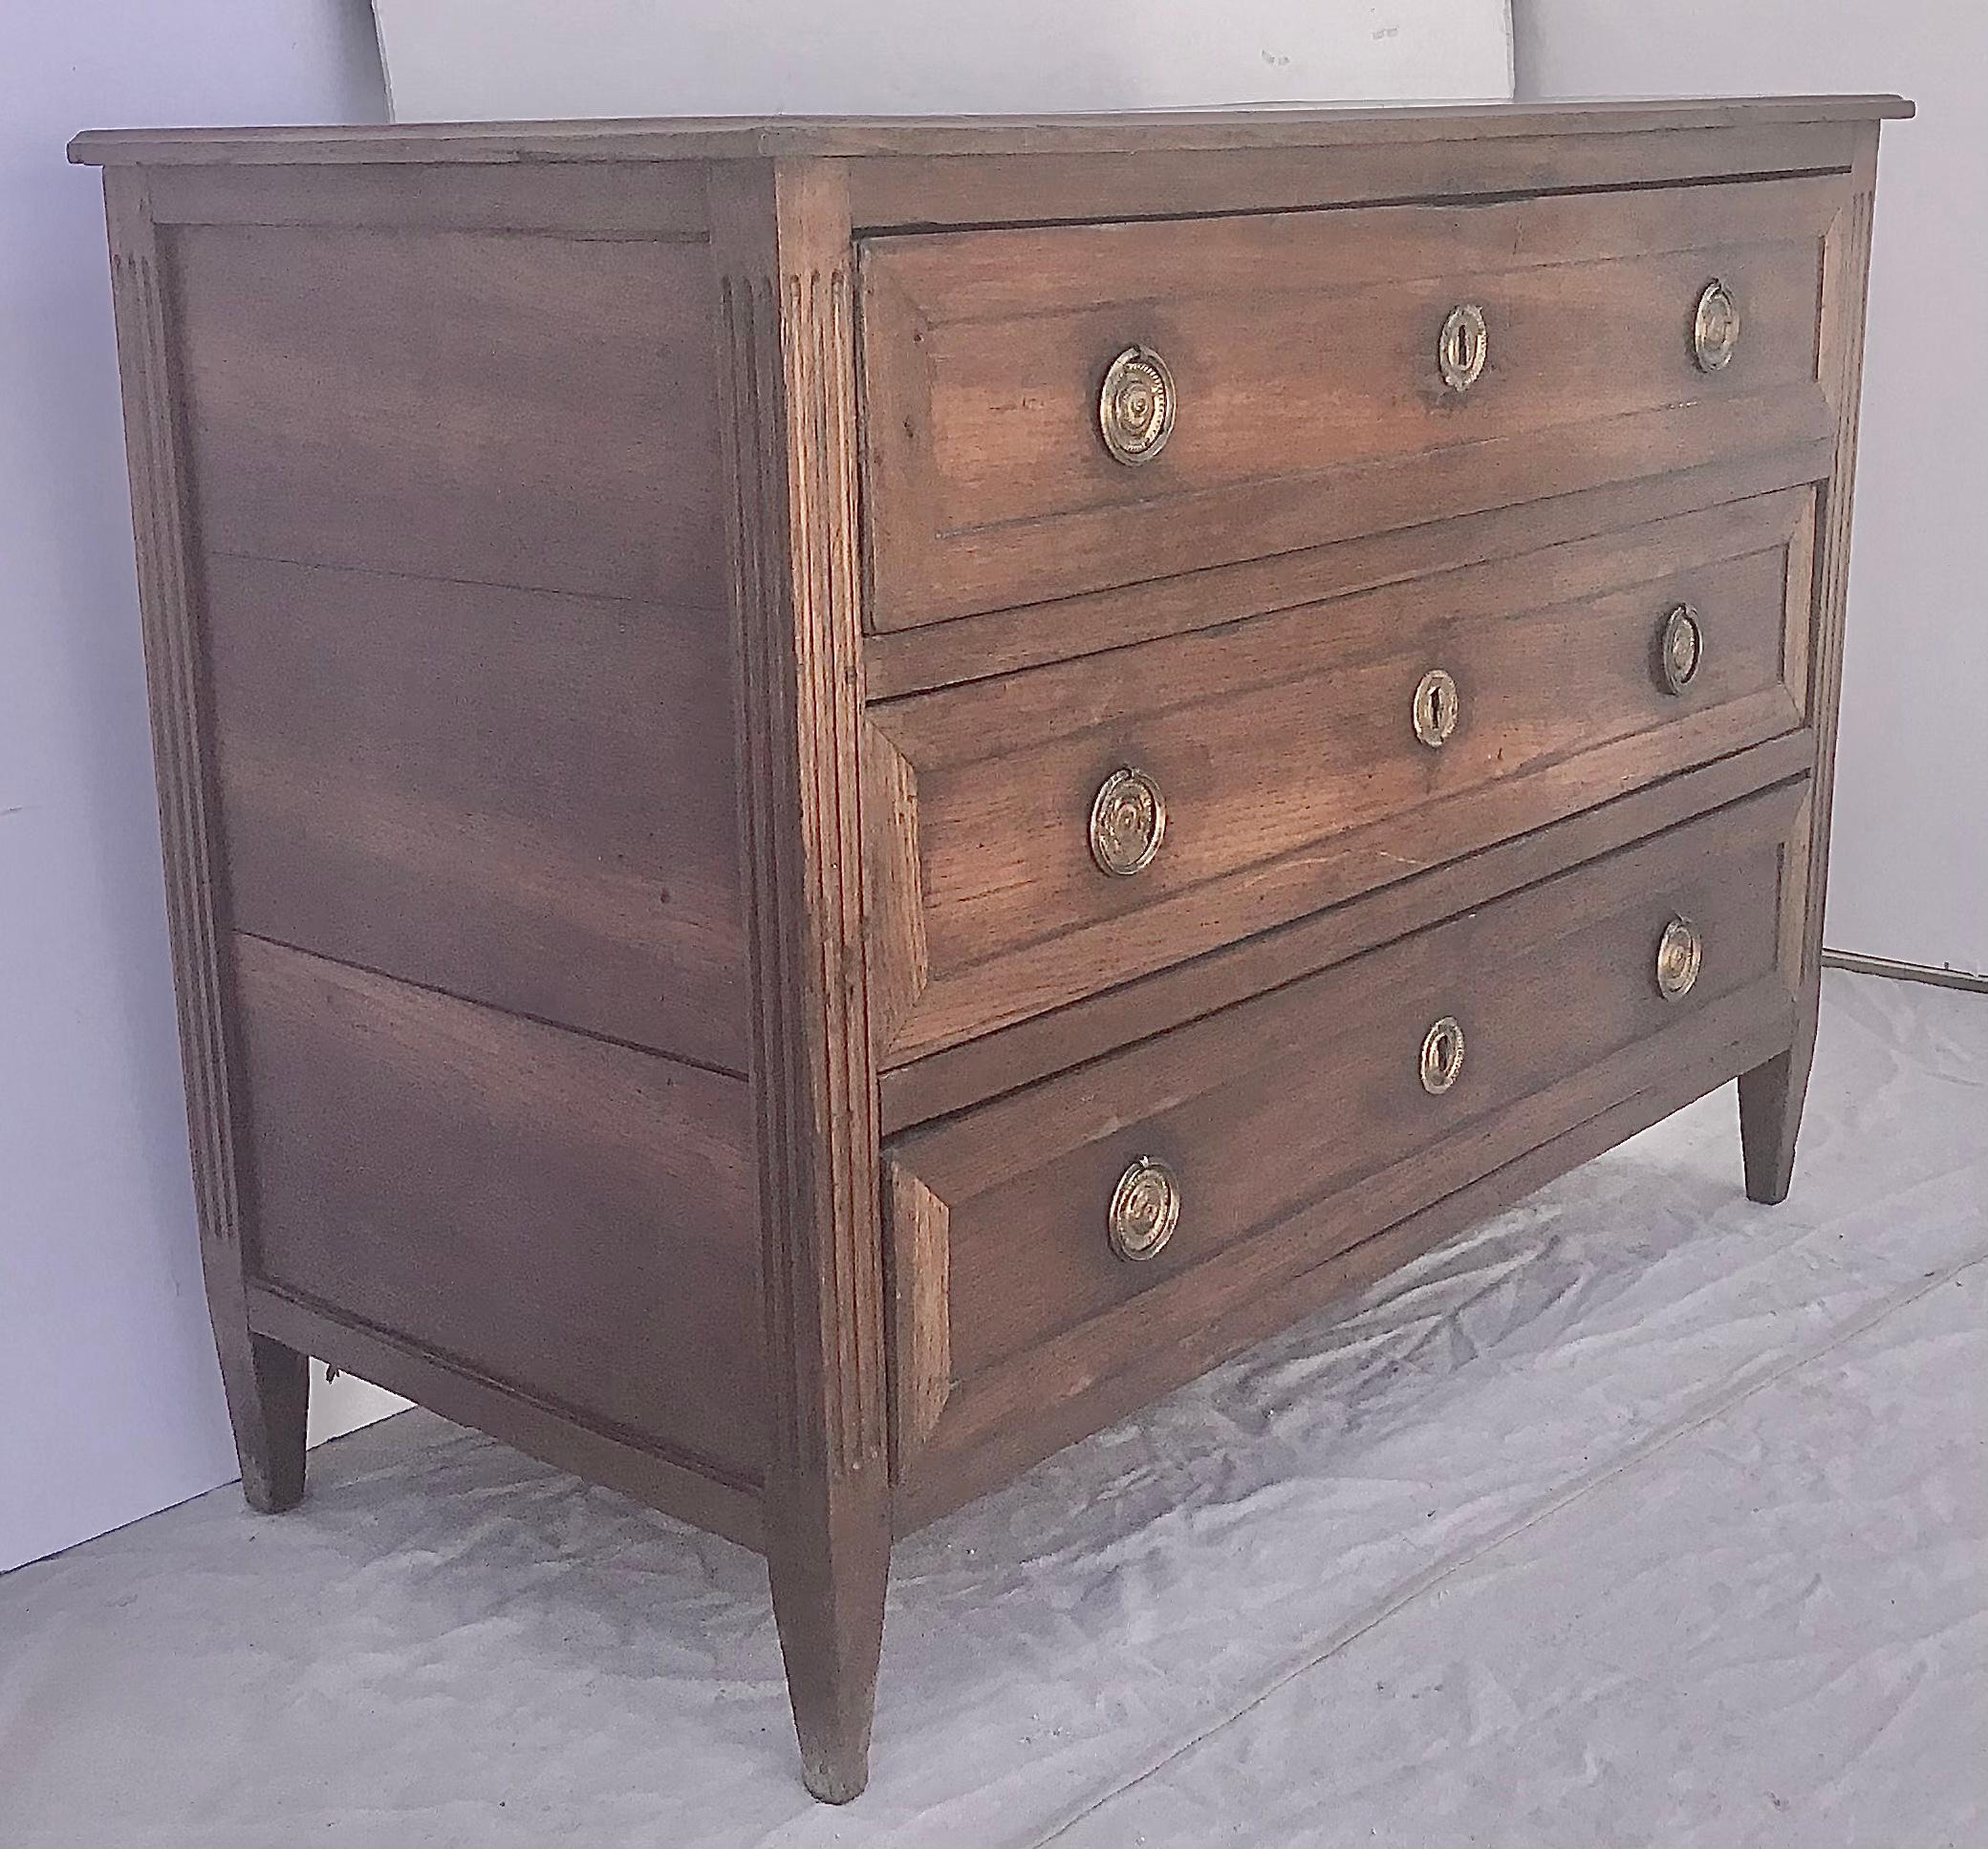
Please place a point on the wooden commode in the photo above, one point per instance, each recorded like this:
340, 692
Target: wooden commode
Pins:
842, 797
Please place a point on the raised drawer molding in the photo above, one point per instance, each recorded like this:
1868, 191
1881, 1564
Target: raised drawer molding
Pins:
842, 796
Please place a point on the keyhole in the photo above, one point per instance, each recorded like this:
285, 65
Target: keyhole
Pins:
1460, 346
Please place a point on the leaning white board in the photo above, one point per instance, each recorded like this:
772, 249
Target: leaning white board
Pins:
467, 61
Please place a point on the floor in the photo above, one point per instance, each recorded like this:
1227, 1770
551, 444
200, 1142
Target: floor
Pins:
1641, 1514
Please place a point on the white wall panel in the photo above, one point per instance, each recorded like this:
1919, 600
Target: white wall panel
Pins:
1909, 873
452, 60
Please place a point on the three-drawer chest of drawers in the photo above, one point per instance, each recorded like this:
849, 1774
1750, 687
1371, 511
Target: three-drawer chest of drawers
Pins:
841, 797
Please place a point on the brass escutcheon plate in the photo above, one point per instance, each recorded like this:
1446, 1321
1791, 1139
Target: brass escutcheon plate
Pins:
1680, 953
1438, 707
1714, 328
1681, 647
1128, 823
1443, 1055
1462, 347
1145, 1208
1135, 406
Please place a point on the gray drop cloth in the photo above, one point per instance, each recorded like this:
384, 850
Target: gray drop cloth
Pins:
1641, 1514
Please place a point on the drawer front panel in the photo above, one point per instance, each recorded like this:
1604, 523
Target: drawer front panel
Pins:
1305, 358
1308, 755
1316, 1115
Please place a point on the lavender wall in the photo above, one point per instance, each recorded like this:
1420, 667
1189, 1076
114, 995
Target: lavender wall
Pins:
110, 1402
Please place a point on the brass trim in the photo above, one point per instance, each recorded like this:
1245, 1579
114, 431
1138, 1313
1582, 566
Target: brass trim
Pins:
1463, 346
1681, 647
1135, 406
1714, 328
1145, 1210
1128, 823
1438, 707
1443, 1055
1680, 953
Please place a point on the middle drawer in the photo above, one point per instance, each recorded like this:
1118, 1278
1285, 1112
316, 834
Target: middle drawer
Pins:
1042, 836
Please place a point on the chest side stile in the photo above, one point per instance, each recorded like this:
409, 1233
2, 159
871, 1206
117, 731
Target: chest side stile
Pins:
265, 1382
783, 260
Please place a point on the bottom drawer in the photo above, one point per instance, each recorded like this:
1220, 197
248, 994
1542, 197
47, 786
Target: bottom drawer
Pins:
1060, 1254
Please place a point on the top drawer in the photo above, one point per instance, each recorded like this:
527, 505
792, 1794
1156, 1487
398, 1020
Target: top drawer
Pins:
1323, 384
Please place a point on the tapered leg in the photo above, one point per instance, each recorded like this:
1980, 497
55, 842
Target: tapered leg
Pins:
1770, 1114
266, 1383
1771, 1094
782, 247
269, 1391
829, 1558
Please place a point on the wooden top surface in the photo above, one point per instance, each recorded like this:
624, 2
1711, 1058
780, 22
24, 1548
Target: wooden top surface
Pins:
760, 137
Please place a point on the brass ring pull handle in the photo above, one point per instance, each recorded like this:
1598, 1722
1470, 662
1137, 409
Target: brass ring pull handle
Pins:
1462, 347
1145, 1208
1128, 823
1442, 1056
1135, 406
1680, 953
1680, 648
1714, 328
1438, 707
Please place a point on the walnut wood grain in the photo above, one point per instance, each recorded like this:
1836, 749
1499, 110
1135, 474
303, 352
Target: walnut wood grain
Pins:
1000, 642
544, 1429
632, 203
917, 1239
511, 410
1301, 1113
522, 797
900, 965
547, 1209
1286, 751
1320, 413
265, 1382
1000, 1062
1089, 1378
1771, 1095
762, 137
894, 191
786, 315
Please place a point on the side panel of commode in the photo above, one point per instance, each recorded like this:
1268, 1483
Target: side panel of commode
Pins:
445, 731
